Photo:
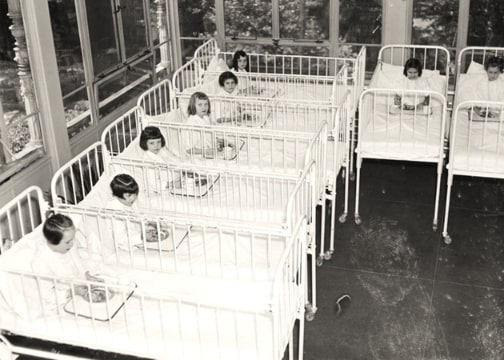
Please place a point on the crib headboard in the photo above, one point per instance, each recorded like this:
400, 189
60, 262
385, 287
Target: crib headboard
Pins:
21, 216
74, 180
431, 57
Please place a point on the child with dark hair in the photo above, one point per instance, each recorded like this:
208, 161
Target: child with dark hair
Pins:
228, 83
153, 144
58, 257
412, 81
125, 191
240, 61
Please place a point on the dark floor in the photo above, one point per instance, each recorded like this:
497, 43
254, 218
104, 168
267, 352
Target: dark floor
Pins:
408, 295
412, 296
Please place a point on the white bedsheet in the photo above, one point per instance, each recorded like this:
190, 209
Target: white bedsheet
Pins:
478, 146
148, 332
400, 136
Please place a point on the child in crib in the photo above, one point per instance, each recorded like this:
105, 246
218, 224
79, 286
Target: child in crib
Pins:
58, 257
153, 143
487, 87
226, 111
412, 81
240, 61
194, 143
125, 191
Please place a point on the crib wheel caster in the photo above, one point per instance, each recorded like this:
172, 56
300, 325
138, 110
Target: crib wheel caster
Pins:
309, 313
320, 260
447, 239
328, 255
342, 218
358, 219
434, 227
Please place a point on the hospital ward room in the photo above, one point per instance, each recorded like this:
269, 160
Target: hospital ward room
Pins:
252, 179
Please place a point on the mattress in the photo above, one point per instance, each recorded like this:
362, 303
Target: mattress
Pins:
400, 135
479, 146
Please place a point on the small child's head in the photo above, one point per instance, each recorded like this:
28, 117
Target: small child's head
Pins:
413, 69
151, 139
199, 104
59, 232
493, 67
228, 81
125, 188
240, 61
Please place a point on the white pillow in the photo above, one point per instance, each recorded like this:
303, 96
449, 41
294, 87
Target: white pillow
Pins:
217, 65
396, 71
475, 68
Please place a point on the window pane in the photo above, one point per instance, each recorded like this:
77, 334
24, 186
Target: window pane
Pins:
486, 27
435, 22
124, 86
189, 46
134, 27
247, 18
302, 19
70, 64
197, 18
102, 35
360, 21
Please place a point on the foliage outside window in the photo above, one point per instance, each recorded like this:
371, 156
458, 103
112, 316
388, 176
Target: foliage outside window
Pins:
486, 23
197, 23
127, 51
360, 23
304, 19
74, 86
20, 132
247, 18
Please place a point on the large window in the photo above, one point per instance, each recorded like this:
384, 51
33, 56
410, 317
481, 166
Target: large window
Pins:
435, 22
108, 52
486, 23
247, 19
302, 19
360, 23
20, 132
197, 23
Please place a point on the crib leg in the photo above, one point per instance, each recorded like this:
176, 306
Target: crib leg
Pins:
446, 237
301, 338
357, 189
320, 258
332, 197
343, 216
352, 148
438, 188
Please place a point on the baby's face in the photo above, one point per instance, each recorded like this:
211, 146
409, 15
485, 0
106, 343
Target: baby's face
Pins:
66, 242
128, 199
493, 73
242, 63
154, 145
229, 85
412, 74
201, 107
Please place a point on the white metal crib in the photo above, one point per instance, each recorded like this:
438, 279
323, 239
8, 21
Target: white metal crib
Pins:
250, 198
138, 317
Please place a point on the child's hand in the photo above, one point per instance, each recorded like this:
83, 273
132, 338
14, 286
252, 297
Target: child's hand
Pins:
397, 100
91, 277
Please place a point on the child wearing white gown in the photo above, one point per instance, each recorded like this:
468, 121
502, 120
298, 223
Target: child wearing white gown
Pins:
412, 81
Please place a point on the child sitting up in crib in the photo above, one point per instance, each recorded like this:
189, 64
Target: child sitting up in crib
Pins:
240, 61
58, 257
412, 81
153, 144
486, 87
227, 111
197, 142
125, 191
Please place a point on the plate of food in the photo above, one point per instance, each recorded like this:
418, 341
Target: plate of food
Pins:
194, 184
166, 241
101, 302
